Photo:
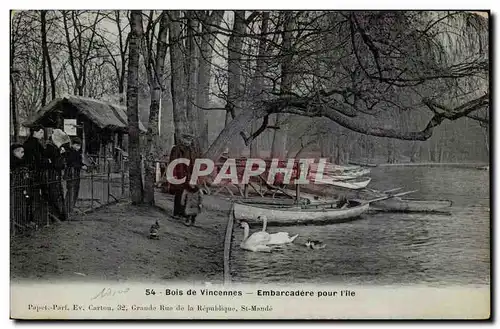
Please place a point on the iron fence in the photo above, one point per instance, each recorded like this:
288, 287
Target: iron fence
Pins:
37, 199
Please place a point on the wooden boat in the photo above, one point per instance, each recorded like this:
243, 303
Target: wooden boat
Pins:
397, 204
341, 177
352, 185
363, 164
276, 201
296, 215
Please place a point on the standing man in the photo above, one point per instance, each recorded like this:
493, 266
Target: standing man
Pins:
34, 150
37, 164
55, 154
184, 149
74, 164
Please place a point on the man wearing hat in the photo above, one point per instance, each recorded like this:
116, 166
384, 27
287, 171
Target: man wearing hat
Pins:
74, 164
186, 149
37, 163
34, 151
55, 153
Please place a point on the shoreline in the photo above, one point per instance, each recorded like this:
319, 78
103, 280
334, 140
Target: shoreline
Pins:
436, 164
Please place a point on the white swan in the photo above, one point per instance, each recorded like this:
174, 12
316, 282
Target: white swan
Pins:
256, 241
277, 238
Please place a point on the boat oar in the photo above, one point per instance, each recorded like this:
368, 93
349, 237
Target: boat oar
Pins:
384, 192
390, 196
392, 190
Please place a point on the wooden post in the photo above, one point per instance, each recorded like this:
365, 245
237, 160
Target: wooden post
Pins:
84, 142
91, 189
245, 191
297, 186
227, 247
109, 176
122, 166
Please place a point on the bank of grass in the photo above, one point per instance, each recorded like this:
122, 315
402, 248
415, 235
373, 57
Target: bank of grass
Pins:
112, 244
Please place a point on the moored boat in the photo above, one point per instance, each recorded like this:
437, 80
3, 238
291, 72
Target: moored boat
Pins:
410, 205
296, 215
352, 185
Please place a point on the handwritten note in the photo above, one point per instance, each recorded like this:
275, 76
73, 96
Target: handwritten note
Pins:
109, 292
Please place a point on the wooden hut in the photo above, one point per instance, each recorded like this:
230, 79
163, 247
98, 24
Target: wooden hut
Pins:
102, 126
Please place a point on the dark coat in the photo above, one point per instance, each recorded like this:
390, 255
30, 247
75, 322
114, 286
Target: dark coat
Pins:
74, 163
182, 170
34, 154
56, 160
17, 164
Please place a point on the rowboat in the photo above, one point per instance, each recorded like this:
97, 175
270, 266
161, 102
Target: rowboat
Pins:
296, 215
397, 204
363, 164
335, 176
352, 185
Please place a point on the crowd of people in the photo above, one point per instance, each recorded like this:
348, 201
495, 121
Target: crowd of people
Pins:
38, 168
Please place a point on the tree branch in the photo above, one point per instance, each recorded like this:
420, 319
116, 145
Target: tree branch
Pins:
248, 140
304, 108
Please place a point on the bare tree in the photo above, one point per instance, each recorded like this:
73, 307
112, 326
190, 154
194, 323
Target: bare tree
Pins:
181, 122
79, 46
117, 49
135, 176
234, 90
280, 135
374, 56
191, 65
209, 23
46, 54
156, 91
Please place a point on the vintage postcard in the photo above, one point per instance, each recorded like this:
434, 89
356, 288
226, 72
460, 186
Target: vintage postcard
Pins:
250, 164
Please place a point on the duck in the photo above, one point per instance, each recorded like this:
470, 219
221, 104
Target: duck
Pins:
257, 242
315, 244
279, 237
154, 231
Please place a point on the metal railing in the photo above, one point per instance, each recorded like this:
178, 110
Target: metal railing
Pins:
37, 199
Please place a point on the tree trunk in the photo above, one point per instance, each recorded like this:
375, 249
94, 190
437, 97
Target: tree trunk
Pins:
44, 60
390, 151
46, 55
205, 64
123, 56
280, 135
71, 58
13, 90
258, 80
178, 79
234, 92
156, 91
44, 82
278, 149
191, 74
238, 124
135, 171
486, 134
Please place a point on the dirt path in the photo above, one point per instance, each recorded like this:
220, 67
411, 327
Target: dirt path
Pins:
112, 244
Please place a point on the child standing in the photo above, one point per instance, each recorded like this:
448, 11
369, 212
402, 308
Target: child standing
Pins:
74, 164
192, 202
20, 182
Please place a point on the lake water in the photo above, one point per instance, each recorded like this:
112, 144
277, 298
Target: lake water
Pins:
386, 249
